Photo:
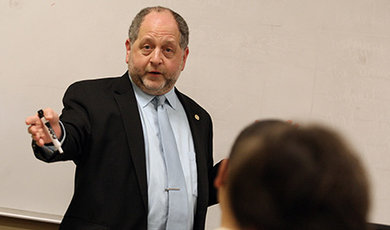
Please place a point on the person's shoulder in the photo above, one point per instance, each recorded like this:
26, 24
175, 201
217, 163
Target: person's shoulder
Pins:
96, 82
95, 87
189, 102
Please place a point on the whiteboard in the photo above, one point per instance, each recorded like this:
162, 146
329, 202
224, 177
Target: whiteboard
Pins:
321, 61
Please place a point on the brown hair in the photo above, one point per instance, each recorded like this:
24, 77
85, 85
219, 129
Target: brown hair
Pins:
283, 177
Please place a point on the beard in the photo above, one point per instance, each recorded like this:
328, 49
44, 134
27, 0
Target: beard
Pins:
153, 85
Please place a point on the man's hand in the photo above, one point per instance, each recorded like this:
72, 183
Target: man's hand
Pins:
38, 132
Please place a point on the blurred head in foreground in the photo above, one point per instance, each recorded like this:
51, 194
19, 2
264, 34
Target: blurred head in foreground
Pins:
282, 177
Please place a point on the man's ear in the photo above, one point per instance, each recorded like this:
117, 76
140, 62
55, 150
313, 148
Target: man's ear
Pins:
128, 48
222, 174
185, 55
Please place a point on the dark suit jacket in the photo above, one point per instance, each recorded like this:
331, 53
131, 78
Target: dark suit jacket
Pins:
104, 138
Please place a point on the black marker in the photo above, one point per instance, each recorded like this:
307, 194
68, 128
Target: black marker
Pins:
50, 130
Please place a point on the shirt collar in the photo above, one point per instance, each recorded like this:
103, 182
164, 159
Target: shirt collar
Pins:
144, 99
172, 98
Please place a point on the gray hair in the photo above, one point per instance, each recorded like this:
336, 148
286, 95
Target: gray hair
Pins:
138, 19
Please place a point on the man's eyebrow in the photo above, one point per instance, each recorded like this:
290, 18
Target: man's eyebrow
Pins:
170, 42
147, 39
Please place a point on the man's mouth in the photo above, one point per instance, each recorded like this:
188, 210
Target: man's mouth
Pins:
155, 72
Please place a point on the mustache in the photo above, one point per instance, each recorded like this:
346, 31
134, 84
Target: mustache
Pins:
155, 71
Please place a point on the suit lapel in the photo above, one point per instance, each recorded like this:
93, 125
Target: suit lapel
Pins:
125, 98
196, 126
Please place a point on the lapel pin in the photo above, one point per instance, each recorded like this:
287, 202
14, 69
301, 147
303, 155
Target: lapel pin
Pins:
197, 117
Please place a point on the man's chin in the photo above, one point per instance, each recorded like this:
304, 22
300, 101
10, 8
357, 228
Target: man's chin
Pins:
156, 87
153, 89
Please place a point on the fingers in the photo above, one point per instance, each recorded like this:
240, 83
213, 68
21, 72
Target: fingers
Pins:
51, 115
36, 129
35, 124
53, 118
32, 120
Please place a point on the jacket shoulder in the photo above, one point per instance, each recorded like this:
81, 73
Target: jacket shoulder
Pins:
97, 82
191, 103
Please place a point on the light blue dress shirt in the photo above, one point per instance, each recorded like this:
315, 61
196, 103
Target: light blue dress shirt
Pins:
155, 166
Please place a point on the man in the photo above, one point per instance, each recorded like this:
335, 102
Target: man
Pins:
111, 129
282, 177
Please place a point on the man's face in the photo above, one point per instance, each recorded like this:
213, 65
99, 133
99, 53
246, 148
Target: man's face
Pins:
155, 59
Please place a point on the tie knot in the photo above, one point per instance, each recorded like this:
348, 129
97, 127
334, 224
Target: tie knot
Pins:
159, 100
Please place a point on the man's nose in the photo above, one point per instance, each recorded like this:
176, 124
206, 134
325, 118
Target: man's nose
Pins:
156, 57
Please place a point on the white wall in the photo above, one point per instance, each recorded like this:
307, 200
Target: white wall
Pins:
305, 60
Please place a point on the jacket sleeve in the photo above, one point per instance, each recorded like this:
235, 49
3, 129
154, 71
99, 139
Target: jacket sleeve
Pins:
75, 126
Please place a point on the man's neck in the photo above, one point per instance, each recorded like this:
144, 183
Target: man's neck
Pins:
227, 218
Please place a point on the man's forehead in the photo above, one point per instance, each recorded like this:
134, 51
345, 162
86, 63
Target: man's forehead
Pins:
159, 25
160, 21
